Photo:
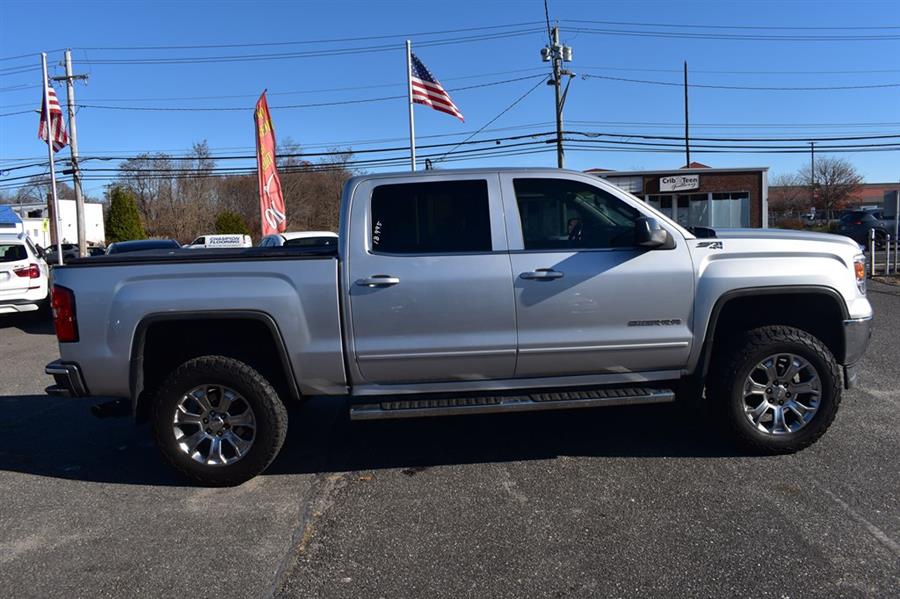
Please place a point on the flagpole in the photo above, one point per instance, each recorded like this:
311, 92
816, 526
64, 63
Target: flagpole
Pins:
409, 93
50, 138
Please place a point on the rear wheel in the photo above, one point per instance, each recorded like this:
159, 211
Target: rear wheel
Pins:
778, 389
218, 421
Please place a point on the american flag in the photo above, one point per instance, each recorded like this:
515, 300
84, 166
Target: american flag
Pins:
60, 138
426, 89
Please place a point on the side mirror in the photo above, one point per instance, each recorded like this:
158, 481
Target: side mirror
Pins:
40, 251
649, 233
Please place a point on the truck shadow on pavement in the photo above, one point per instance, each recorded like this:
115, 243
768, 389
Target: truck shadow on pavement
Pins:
30, 323
58, 437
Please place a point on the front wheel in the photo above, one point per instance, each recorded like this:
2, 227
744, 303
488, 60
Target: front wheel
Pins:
218, 421
778, 388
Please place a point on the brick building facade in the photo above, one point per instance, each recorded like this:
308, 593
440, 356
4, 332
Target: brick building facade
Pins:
702, 196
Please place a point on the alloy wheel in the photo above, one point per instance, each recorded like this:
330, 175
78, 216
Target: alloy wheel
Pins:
214, 425
782, 393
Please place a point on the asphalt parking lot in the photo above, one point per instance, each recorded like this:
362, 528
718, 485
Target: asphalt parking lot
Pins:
610, 502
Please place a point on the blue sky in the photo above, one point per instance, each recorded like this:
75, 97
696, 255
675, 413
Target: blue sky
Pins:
598, 105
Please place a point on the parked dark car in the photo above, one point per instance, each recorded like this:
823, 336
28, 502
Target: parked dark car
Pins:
69, 251
857, 224
120, 247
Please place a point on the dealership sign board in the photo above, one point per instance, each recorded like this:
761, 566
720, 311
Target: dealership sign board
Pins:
679, 182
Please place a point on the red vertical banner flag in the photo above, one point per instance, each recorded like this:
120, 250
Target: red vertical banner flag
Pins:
271, 200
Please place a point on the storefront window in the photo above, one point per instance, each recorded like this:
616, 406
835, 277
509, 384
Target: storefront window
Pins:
723, 210
730, 210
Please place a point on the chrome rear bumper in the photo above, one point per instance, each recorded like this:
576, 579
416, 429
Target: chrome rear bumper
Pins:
68, 379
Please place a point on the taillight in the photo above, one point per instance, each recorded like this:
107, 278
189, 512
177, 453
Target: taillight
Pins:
32, 271
63, 303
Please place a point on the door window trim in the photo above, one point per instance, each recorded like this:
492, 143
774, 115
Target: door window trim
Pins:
495, 214
513, 219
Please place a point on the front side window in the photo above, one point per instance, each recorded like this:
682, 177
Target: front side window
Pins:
563, 214
429, 218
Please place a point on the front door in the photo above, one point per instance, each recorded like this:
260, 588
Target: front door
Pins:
430, 282
588, 300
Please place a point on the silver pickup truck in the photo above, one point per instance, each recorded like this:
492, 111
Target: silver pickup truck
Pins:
458, 292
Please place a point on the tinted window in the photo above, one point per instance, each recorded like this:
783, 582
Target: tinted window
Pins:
138, 246
13, 252
858, 217
428, 218
312, 242
563, 214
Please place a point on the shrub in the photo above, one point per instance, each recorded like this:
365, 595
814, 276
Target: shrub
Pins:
123, 223
228, 222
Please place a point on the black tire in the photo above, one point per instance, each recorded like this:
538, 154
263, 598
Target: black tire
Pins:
268, 410
731, 372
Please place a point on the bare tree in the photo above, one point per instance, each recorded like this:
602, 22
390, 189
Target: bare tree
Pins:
835, 183
180, 198
37, 188
788, 196
150, 177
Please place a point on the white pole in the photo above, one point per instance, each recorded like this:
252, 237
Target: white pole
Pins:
50, 137
409, 92
73, 149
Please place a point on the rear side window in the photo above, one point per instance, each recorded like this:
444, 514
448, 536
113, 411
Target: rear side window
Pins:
431, 218
13, 252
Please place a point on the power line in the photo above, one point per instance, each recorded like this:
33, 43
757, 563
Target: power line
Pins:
292, 106
309, 54
743, 37
739, 72
758, 27
502, 112
742, 87
318, 41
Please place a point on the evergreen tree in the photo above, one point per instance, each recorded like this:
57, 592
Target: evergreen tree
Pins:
123, 223
228, 222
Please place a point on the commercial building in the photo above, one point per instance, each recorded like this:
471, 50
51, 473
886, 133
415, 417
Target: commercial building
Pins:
36, 222
699, 195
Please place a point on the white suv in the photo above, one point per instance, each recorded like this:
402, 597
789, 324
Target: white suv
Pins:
23, 275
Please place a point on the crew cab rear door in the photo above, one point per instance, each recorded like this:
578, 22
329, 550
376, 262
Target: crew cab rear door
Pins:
429, 280
587, 300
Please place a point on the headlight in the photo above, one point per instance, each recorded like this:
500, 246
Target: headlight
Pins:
859, 267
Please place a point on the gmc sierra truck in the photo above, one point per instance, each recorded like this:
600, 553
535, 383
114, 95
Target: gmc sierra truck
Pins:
471, 291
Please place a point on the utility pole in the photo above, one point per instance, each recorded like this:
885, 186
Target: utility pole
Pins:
69, 78
687, 143
557, 54
812, 175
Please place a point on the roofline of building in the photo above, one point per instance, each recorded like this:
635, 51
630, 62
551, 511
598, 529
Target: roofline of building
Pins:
675, 171
890, 185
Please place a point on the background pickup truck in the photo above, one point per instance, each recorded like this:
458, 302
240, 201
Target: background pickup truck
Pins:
456, 292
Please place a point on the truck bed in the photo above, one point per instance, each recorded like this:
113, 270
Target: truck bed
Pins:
181, 256
118, 297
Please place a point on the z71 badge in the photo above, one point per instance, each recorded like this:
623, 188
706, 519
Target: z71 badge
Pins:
713, 245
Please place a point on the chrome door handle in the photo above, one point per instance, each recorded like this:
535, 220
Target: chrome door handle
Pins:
542, 274
378, 281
